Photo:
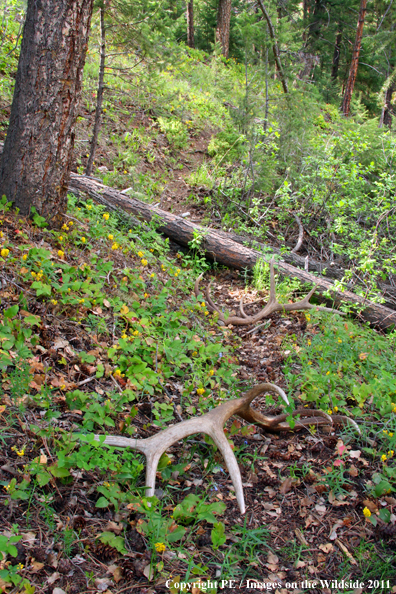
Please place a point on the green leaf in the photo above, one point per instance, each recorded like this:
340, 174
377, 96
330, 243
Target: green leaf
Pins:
385, 515
176, 534
11, 311
114, 541
58, 472
218, 535
102, 502
33, 320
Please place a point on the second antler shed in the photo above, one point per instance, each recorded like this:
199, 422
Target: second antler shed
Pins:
271, 307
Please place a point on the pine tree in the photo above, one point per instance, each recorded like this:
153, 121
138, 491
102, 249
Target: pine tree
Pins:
38, 150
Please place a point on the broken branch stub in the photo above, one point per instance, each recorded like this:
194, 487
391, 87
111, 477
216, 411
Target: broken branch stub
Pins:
271, 307
212, 424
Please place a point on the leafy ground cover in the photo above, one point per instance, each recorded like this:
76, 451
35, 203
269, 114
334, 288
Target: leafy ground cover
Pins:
100, 333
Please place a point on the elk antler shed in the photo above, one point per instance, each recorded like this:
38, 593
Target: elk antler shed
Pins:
272, 306
212, 424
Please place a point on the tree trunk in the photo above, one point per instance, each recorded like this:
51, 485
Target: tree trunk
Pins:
275, 48
346, 104
223, 26
386, 115
99, 96
336, 56
223, 250
37, 156
190, 23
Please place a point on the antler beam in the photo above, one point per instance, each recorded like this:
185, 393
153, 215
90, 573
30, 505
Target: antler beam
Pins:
272, 306
212, 424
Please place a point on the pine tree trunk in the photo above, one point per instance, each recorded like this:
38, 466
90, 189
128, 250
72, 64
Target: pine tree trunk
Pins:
99, 96
336, 56
223, 26
190, 23
346, 104
275, 47
37, 157
386, 116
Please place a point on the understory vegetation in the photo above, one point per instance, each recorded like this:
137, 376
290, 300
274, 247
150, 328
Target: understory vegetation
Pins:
101, 333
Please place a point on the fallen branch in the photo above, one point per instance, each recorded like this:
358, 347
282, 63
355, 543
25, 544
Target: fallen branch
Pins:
220, 248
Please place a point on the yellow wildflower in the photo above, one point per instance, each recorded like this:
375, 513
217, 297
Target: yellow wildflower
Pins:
110, 236
115, 246
384, 458
144, 262
24, 257
61, 254
106, 216
200, 391
83, 240
211, 372
4, 252
366, 512
140, 254
160, 547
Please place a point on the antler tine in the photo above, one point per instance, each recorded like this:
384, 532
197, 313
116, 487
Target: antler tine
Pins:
243, 314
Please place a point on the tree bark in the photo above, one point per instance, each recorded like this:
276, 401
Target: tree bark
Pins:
346, 104
223, 26
275, 47
190, 23
386, 115
99, 96
223, 250
37, 157
336, 56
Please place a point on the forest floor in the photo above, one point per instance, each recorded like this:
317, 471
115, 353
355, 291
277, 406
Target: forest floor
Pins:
101, 333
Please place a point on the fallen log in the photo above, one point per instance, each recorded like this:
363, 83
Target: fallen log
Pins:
223, 250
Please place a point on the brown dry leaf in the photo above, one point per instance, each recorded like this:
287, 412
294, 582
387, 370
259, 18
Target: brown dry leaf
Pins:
60, 343
52, 578
58, 591
43, 459
29, 537
353, 471
333, 532
299, 564
106, 303
36, 566
326, 548
336, 500
306, 501
116, 572
355, 454
321, 509
114, 527
2, 409
286, 486
321, 558
52, 560
371, 505
273, 559
101, 584
148, 572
